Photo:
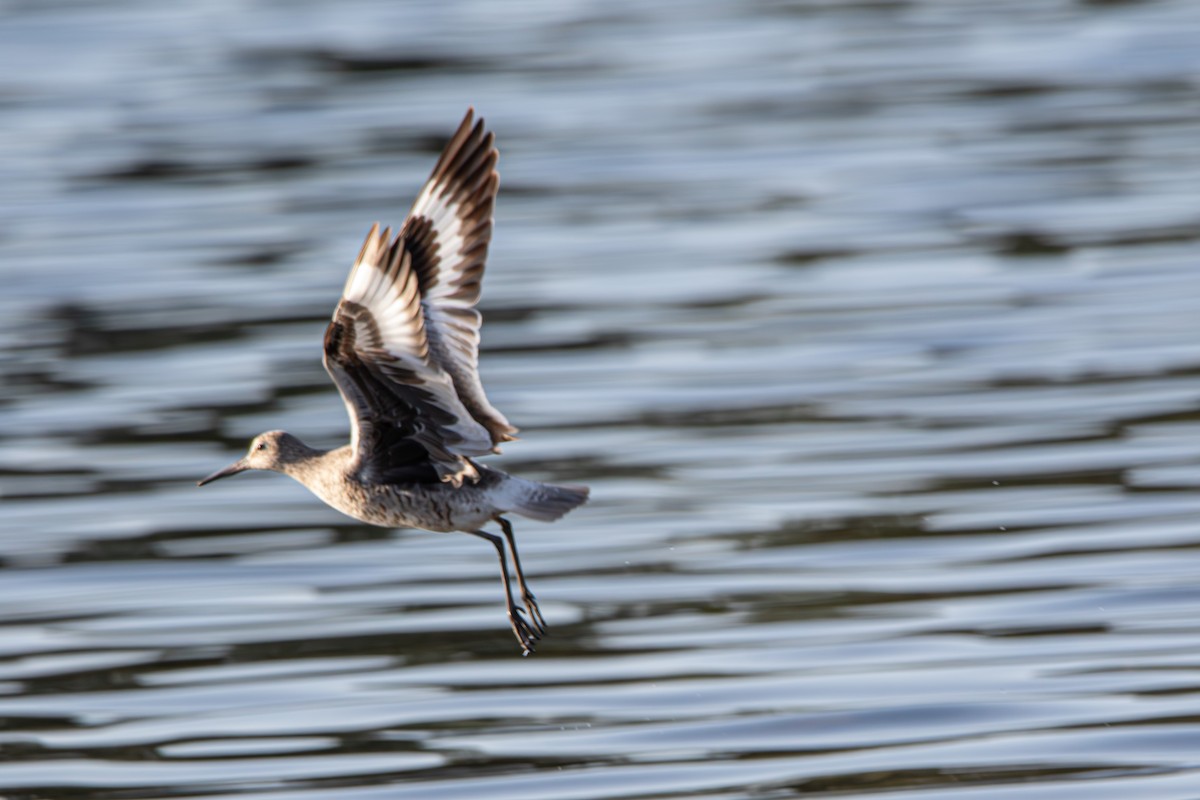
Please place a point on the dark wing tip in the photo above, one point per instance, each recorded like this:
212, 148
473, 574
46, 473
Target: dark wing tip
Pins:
468, 159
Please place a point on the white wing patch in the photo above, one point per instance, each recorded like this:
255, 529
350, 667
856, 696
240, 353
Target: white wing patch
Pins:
393, 300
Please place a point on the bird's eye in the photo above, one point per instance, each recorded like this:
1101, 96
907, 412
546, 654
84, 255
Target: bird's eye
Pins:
261, 446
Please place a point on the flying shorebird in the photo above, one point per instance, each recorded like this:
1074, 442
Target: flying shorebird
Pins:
403, 348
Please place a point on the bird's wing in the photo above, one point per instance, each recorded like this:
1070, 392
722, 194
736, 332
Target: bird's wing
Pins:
448, 230
404, 408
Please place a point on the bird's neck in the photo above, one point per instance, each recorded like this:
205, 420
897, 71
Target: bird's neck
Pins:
312, 467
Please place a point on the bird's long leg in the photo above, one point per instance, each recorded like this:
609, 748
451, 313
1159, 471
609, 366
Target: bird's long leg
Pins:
527, 597
525, 633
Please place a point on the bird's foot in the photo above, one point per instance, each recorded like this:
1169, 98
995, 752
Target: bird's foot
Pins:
527, 635
535, 613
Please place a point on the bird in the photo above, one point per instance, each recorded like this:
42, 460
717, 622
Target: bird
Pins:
403, 349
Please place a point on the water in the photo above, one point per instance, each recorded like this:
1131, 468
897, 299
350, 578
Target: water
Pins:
873, 327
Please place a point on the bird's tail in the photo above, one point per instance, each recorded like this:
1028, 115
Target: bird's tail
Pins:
542, 501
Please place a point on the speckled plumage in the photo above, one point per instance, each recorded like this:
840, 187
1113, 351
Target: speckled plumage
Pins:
402, 348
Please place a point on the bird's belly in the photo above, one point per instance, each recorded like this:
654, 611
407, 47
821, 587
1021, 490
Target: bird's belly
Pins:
432, 507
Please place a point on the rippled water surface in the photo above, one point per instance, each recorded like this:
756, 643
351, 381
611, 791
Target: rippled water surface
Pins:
874, 328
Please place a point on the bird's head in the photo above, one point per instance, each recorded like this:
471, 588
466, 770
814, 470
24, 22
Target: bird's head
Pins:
273, 450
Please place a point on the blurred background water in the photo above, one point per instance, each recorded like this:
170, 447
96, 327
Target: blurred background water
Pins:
874, 327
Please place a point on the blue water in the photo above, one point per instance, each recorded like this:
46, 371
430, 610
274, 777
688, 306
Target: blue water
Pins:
874, 328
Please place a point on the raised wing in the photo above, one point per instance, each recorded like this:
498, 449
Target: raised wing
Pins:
404, 408
448, 231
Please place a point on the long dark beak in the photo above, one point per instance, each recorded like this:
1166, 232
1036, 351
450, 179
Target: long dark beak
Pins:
233, 469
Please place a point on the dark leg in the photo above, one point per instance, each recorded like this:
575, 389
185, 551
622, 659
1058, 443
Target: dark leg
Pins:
527, 597
525, 634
